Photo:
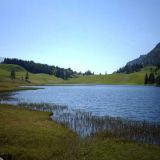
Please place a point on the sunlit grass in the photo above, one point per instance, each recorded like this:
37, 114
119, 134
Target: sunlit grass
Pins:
26, 134
117, 78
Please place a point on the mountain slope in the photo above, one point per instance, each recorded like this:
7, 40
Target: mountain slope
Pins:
152, 58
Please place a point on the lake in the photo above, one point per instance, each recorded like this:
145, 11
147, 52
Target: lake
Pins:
126, 101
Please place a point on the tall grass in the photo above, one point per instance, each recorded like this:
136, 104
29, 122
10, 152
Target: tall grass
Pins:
86, 124
48, 107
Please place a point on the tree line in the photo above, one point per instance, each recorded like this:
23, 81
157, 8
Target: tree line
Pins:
33, 67
153, 77
130, 68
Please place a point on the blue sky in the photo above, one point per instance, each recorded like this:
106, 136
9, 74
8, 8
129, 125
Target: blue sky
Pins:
100, 35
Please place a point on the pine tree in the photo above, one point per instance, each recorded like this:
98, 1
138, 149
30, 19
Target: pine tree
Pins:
27, 76
151, 78
146, 79
13, 74
158, 80
64, 75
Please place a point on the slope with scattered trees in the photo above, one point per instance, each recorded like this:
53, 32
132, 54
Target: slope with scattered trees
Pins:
33, 67
150, 59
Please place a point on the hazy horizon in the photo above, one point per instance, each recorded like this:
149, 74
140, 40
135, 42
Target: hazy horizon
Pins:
99, 35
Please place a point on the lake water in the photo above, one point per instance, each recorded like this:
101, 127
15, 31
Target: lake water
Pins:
131, 102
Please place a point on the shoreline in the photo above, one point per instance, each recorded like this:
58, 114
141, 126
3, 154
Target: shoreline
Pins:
133, 130
33, 86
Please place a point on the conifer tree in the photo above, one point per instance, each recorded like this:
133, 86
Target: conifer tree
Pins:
158, 80
151, 78
27, 76
13, 74
146, 79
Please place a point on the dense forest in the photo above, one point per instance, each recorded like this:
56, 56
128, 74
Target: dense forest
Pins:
153, 77
130, 68
33, 67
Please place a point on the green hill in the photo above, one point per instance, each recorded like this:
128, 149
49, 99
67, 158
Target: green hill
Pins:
5, 70
34, 67
34, 79
9, 67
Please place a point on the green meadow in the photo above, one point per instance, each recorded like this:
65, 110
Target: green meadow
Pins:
118, 78
136, 78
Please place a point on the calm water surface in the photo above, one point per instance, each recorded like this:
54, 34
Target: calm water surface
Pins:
132, 102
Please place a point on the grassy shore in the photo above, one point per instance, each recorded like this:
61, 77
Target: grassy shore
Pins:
32, 135
27, 134
106, 147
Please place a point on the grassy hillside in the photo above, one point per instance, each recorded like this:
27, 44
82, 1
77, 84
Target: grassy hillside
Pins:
30, 135
5, 70
117, 78
35, 79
